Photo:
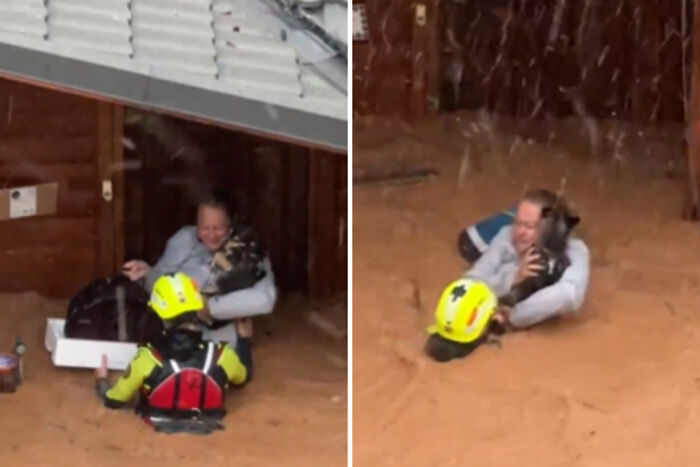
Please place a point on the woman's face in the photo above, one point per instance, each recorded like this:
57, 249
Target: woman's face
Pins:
527, 218
212, 226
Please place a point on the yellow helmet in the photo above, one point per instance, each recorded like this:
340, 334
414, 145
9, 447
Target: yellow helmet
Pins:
464, 311
175, 294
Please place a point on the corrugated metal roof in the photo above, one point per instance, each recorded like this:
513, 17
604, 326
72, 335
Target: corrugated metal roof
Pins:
24, 17
99, 26
243, 48
331, 16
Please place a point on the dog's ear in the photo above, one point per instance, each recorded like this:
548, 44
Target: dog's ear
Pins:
548, 211
572, 221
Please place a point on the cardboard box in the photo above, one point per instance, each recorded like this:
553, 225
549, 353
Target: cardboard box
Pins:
84, 353
26, 201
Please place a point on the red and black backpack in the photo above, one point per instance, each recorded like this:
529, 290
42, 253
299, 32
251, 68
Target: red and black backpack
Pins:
187, 388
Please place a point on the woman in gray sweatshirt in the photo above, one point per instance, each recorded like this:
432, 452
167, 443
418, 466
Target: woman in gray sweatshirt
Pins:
507, 262
191, 251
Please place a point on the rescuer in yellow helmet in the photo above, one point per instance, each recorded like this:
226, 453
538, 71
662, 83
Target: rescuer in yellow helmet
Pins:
463, 319
182, 379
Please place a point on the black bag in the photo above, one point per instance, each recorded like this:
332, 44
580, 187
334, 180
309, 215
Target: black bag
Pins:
93, 312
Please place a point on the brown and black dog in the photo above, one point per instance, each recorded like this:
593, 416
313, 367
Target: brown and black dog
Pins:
555, 227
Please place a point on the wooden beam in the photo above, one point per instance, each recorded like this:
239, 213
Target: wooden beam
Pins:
104, 146
323, 231
341, 247
692, 203
434, 57
42, 149
118, 183
295, 205
267, 170
418, 93
134, 223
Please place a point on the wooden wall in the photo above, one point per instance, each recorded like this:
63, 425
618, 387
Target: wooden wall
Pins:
328, 226
291, 194
47, 136
396, 73
527, 58
691, 208
294, 196
533, 59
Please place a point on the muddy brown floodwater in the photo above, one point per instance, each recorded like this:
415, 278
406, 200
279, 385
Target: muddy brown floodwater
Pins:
292, 413
616, 385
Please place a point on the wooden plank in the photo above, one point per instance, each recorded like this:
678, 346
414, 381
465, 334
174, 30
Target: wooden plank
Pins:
675, 65
692, 198
295, 193
643, 71
30, 123
322, 233
240, 176
382, 67
267, 165
104, 259
56, 232
133, 193
69, 176
433, 57
77, 203
361, 104
153, 238
16, 96
418, 90
118, 178
42, 149
341, 250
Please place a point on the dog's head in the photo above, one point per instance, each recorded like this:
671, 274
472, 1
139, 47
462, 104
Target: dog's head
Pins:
555, 227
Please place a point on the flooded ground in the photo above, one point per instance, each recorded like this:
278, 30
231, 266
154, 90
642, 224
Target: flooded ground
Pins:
292, 413
618, 384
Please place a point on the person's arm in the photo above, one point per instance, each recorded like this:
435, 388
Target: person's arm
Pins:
487, 267
565, 296
257, 300
177, 249
128, 383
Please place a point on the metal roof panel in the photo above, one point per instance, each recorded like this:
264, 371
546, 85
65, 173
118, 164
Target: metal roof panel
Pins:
241, 48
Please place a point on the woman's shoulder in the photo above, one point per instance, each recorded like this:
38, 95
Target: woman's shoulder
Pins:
576, 246
187, 234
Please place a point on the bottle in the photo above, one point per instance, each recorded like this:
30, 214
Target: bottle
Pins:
19, 351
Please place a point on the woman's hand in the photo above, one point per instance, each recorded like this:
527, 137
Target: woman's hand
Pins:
501, 320
244, 327
101, 371
135, 269
204, 314
529, 266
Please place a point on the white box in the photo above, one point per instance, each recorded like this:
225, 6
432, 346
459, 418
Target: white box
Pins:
84, 353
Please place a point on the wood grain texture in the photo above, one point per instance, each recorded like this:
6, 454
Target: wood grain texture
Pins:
691, 209
47, 136
525, 59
